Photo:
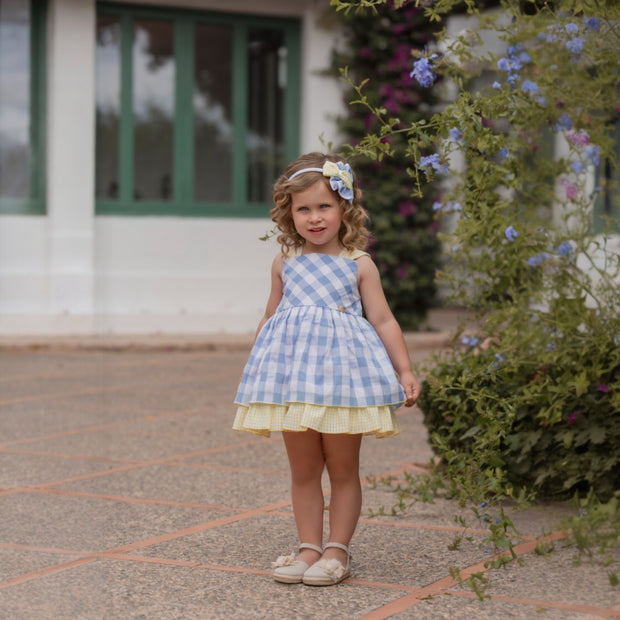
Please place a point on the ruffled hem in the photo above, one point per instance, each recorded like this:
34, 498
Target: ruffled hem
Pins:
264, 418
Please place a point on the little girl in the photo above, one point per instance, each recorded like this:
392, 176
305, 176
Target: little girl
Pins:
319, 372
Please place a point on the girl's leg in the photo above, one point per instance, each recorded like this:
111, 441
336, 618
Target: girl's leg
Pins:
306, 460
342, 460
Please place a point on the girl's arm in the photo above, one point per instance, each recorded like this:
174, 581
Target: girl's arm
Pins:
381, 318
275, 295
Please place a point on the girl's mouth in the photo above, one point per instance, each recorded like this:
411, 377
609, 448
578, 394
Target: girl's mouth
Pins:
317, 230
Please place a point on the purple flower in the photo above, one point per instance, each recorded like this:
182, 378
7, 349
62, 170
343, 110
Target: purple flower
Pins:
571, 28
437, 205
530, 87
577, 166
511, 233
592, 23
603, 387
575, 45
432, 161
572, 419
422, 72
401, 272
497, 85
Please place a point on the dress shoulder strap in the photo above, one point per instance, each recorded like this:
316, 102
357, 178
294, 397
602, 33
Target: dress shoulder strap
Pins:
353, 254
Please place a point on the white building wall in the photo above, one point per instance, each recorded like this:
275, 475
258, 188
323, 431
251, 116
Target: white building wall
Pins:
73, 272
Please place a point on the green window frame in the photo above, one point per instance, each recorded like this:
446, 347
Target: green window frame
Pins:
33, 203
184, 25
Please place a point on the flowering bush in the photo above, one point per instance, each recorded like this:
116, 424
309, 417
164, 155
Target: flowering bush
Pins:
531, 398
405, 244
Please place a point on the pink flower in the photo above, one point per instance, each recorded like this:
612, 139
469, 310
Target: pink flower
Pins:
578, 138
572, 191
572, 419
406, 208
603, 387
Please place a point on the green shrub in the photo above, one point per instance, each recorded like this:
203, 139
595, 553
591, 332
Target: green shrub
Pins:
547, 418
528, 247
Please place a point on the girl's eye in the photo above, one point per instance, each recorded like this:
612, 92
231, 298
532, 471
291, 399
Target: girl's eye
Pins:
326, 206
302, 208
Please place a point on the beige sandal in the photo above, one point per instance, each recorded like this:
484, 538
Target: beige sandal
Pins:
290, 570
328, 572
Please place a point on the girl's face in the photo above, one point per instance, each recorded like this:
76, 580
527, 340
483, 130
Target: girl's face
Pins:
317, 216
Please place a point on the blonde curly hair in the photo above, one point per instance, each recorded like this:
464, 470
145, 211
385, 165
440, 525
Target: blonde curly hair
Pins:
353, 234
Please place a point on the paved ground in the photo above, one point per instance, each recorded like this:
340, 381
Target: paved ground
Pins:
125, 494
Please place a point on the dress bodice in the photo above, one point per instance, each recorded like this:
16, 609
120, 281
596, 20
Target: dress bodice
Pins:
320, 280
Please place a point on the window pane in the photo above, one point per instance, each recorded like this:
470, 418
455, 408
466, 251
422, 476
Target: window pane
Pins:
14, 99
213, 129
108, 101
265, 137
153, 108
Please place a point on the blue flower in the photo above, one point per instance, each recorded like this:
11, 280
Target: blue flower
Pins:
497, 85
529, 87
564, 122
571, 28
593, 152
575, 45
565, 248
511, 233
456, 134
470, 341
432, 161
503, 64
538, 259
577, 166
422, 72
438, 206
592, 23
503, 153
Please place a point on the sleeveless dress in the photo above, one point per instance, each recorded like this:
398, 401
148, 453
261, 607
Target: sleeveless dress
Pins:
317, 363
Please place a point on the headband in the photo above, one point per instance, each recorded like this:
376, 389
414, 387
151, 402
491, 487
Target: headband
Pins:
340, 177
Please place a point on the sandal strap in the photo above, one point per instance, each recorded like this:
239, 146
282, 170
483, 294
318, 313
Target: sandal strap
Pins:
310, 546
337, 545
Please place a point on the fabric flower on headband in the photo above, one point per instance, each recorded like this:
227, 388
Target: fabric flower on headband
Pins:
340, 177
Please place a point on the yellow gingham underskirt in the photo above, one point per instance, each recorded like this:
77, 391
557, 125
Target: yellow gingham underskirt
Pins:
263, 419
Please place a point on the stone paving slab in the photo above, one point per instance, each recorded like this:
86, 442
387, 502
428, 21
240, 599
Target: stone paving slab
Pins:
124, 493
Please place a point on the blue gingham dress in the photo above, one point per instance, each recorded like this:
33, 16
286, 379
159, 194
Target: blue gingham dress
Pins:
317, 363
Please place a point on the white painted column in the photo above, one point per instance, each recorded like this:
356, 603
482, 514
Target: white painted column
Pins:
321, 96
70, 159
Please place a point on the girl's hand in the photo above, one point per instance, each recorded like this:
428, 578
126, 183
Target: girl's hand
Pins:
411, 386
